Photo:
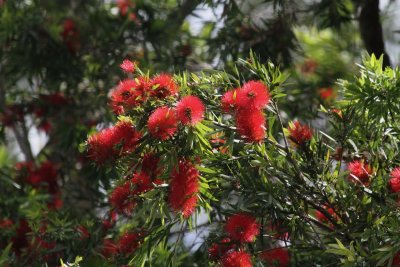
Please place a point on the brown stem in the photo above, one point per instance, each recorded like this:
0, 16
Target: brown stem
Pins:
22, 138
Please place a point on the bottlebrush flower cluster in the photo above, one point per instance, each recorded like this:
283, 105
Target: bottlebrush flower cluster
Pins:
70, 36
113, 142
276, 257
299, 134
360, 170
394, 182
247, 104
184, 188
241, 228
25, 241
42, 177
125, 245
132, 93
123, 197
322, 218
126, 9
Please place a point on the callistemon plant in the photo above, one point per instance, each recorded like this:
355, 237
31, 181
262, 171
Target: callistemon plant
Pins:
214, 152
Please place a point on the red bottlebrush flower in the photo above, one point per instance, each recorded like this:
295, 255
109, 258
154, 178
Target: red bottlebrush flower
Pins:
237, 259
251, 125
218, 250
48, 172
129, 94
83, 232
309, 66
124, 5
228, 101
326, 93
11, 114
44, 176
141, 182
299, 134
55, 202
163, 86
128, 66
121, 198
6, 223
396, 260
26, 167
127, 136
150, 165
45, 126
190, 110
56, 99
109, 222
276, 257
253, 95
184, 187
101, 145
20, 240
322, 218
242, 227
129, 242
394, 182
360, 170
109, 248
162, 123
114, 141
70, 36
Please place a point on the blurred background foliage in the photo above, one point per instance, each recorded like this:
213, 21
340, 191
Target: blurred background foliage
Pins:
59, 60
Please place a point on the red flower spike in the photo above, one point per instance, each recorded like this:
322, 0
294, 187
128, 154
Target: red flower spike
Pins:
109, 222
360, 170
128, 66
162, 123
6, 224
276, 257
190, 110
127, 135
218, 250
83, 232
141, 183
121, 200
55, 99
124, 5
396, 260
236, 259
112, 142
322, 218
394, 182
162, 86
184, 187
20, 240
254, 95
299, 134
327, 93
101, 145
129, 94
70, 36
228, 101
129, 242
150, 165
251, 125
109, 248
242, 227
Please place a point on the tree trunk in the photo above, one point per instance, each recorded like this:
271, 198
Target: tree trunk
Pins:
371, 30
